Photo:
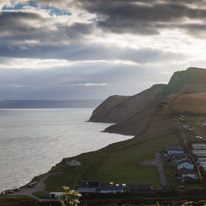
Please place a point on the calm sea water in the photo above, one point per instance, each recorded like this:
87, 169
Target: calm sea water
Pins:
34, 140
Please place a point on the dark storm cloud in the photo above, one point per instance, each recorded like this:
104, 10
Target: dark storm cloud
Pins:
127, 16
23, 25
16, 22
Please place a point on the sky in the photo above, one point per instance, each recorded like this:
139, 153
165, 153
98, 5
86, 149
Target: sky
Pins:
91, 49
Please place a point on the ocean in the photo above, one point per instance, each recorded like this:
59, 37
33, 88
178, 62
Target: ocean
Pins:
34, 140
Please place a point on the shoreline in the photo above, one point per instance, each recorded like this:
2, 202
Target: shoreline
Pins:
24, 174
49, 173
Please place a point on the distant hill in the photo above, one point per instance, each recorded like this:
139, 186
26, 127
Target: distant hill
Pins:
49, 104
133, 114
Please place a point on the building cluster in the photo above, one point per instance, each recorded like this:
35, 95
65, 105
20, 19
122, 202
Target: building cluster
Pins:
94, 186
199, 152
182, 163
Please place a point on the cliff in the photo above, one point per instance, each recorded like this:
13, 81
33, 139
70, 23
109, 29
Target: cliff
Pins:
132, 115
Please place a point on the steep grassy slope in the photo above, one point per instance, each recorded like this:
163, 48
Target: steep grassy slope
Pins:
106, 112
133, 114
191, 80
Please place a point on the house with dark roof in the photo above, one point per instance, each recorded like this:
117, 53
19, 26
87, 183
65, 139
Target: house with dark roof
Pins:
175, 149
87, 190
175, 158
180, 160
186, 179
186, 173
140, 188
111, 189
89, 186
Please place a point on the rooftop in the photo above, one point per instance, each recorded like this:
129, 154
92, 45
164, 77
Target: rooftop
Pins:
140, 187
112, 187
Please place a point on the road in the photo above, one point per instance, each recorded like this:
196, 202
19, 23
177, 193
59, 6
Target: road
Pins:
39, 187
160, 168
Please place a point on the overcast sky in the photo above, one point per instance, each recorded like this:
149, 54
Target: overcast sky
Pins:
91, 49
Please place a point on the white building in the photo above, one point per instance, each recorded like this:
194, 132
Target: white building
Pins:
185, 164
199, 153
198, 146
201, 160
73, 162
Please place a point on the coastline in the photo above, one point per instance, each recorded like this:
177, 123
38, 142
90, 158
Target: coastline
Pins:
46, 133
40, 179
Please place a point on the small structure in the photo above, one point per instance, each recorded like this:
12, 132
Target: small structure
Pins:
175, 158
54, 195
198, 137
87, 190
198, 146
195, 137
187, 127
140, 188
186, 179
89, 186
185, 164
111, 189
175, 149
203, 165
199, 160
73, 162
199, 153
178, 159
192, 174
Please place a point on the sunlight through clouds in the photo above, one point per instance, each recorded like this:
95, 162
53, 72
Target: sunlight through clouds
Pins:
93, 44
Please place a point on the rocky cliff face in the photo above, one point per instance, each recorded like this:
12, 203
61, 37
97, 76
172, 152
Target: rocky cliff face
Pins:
132, 115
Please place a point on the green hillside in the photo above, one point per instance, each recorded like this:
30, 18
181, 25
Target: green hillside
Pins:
153, 118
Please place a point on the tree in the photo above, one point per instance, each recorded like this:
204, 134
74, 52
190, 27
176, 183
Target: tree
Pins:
69, 197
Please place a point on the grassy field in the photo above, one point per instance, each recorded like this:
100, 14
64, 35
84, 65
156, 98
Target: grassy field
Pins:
123, 163
171, 179
190, 102
17, 201
67, 176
